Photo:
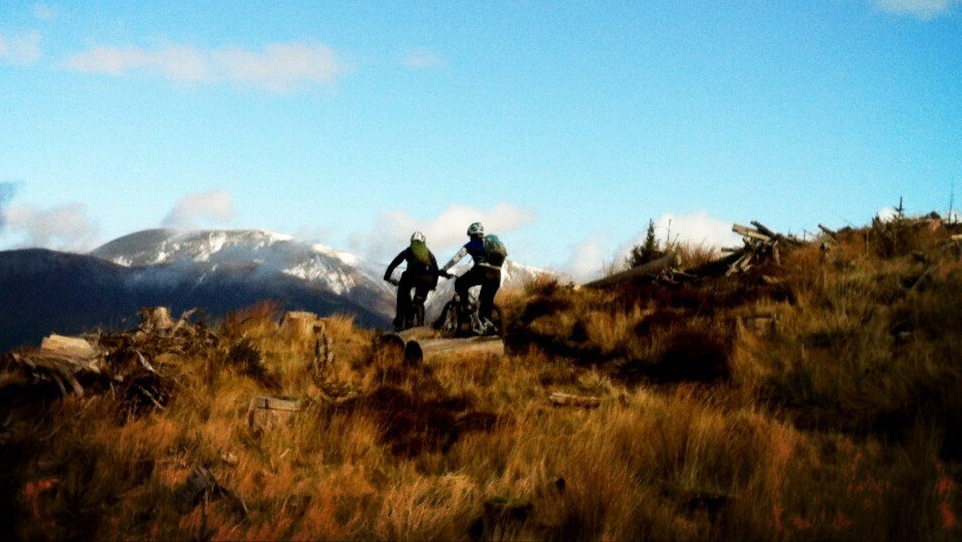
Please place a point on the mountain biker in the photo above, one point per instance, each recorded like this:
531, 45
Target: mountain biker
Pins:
421, 275
483, 272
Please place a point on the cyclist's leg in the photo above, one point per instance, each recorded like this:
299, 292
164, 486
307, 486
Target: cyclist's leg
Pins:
403, 302
464, 283
490, 285
417, 304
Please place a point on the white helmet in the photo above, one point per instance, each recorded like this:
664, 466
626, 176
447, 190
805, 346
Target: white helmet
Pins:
418, 236
475, 229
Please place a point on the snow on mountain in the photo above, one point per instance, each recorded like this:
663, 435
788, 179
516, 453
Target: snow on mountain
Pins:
337, 271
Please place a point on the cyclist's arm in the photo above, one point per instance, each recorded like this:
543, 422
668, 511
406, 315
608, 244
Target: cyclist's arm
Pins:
454, 260
396, 262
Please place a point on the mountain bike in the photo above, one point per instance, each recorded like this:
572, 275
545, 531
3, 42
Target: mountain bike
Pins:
415, 315
463, 320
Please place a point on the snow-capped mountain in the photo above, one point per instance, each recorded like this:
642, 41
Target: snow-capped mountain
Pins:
271, 253
339, 272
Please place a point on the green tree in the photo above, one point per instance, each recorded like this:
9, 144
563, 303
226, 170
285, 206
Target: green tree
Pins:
648, 251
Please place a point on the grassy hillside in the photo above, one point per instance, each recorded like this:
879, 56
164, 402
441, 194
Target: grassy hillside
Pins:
813, 398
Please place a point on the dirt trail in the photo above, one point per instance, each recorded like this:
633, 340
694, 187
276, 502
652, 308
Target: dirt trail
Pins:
433, 345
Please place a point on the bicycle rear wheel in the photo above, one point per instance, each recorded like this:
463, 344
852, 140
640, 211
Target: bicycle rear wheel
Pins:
448, 323
497, 320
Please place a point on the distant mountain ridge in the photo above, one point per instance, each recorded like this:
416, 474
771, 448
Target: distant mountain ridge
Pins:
339, 271
218, 271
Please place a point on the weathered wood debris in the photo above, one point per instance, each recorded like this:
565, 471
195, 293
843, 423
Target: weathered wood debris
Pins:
648, 271
201, 484
265, 413
125, 363
761, 245
565, 399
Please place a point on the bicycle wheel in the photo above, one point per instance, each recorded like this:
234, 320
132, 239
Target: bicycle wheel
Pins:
497, 320
419, 315
448, 323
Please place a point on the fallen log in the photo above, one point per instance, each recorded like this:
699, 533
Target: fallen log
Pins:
829, 232
73, 349
745, 231
649, 270
762, 229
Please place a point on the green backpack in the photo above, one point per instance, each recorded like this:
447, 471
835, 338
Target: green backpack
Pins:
421, 252
495, 250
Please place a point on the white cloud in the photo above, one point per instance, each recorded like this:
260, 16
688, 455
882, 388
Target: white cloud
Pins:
697, 229
109, 60
887, 214
67, 227
393, 229
279, 67
45, 12
923, 9
589, 259
282, 66
20, 49
199, 209
419, 59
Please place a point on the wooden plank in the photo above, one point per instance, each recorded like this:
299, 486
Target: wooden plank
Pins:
275, 403
745, 231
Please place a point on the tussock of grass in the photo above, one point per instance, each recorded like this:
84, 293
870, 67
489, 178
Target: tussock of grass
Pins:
818, 403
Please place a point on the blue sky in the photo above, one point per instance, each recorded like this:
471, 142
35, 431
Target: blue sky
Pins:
564, 126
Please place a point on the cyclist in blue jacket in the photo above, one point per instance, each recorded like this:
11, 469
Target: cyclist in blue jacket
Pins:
483, 272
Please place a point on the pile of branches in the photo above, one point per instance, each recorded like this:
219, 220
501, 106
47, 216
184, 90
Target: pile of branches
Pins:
125, 364
761, 245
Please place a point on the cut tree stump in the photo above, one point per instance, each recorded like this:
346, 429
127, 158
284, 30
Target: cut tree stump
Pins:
266, 413
155, 319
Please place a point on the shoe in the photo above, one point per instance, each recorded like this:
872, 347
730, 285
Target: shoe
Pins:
488, 327
476, 325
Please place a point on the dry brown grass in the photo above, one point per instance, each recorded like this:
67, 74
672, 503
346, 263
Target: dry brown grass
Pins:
825, 411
